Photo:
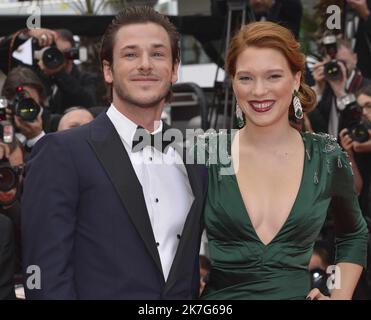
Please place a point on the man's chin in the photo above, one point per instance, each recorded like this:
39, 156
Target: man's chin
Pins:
148, 102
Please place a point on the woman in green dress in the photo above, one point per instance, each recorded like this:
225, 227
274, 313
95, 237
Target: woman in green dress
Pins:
263, 217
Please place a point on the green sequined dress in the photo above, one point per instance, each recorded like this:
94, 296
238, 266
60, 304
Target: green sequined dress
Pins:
242, 266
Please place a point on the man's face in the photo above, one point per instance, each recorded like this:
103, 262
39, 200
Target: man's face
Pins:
364, 102
348, 56
75, 118
32, 93
261, 6
142, 71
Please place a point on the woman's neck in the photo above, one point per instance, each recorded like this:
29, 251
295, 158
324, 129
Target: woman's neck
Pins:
269, 136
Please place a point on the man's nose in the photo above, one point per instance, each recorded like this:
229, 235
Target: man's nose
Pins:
145, 63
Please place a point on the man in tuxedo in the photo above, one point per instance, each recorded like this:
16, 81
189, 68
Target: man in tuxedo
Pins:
102, 217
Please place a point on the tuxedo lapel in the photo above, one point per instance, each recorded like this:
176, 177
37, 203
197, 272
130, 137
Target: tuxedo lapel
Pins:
192, 228
110, 151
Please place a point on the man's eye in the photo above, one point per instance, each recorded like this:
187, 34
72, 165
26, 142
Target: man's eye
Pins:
130, 55
158, 54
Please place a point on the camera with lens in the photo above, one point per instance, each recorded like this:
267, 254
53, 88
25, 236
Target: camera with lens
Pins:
359, 132
6, 128
8, 175
332, 68
319, 280
53, 58
352, 118
24, 107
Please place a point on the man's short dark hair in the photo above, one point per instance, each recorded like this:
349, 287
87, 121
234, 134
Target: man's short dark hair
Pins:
23, 76
66, 35
364, 90
135, 15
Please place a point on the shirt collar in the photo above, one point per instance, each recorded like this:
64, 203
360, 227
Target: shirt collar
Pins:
124, 126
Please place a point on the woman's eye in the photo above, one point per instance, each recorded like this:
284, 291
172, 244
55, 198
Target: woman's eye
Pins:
244, 78
275, 76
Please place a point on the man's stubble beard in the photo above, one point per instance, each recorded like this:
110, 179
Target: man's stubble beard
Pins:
124, 96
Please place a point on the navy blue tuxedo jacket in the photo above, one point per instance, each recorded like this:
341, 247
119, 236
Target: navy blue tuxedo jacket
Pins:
85, 222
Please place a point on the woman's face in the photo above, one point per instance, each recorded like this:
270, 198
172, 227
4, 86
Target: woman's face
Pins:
263, 85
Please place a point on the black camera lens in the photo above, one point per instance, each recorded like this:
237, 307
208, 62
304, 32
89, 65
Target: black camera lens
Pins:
333, 71
27, 109
52, 58
359, 133
319, 280
330, 45
8, 178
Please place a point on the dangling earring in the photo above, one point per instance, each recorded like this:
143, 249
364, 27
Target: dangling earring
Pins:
297, 106
239, 115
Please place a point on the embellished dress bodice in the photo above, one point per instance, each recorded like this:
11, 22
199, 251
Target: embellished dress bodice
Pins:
245, 268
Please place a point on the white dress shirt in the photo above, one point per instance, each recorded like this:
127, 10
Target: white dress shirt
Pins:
166, 189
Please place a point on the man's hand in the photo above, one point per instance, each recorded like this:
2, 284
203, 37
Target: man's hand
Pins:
29, 129
346, 141
4, 150
45, 37
319, 77
360, 6
363, 146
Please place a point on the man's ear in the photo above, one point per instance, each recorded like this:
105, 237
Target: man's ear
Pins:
107, 71
174, 74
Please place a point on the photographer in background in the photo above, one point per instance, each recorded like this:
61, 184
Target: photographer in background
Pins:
336, 80
285, 12
360, 150
43, 37
26, 97
74, 117
69, 86
357, 143
66, 85
360, 29
11, 171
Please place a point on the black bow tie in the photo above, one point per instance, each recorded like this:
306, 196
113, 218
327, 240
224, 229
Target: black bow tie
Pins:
143, 138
